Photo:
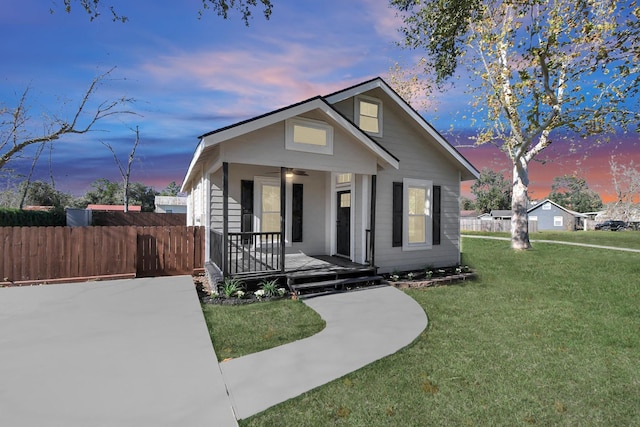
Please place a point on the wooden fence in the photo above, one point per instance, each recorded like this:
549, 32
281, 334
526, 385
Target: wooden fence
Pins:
494, 225
58, 254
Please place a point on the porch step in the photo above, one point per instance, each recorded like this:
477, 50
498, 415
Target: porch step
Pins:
323, 287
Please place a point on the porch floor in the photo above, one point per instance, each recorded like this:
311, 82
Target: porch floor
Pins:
300, 262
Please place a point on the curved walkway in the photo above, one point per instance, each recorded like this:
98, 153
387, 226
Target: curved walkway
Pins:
137, 353
586, 245
361, 327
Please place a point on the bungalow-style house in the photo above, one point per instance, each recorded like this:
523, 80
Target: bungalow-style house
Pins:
356, 176
551, 216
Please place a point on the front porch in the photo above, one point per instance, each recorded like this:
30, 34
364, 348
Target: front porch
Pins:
256, 257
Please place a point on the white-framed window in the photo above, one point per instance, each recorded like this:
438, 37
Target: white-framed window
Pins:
546, 206
312, 136
368, 114
557, 221
269, 205
533, 217
417, 214
343, 178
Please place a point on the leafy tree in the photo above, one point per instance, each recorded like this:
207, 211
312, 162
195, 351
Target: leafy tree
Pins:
573, 193
17, 130
541, 72
220, 7
40, 193
36, 193
142, 195
104, 192
492, 191
466, 204
172, 189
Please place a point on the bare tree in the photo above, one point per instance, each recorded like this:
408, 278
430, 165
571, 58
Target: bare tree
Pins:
16, 124
125, 171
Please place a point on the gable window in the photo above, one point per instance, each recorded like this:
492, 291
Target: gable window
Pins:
546, 206
557, 221
312, 136
368, 114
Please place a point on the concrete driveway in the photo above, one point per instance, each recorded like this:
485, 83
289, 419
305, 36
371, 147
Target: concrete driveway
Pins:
118, 353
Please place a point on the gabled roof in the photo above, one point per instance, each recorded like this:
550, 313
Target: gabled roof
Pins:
501, 213
317, 103
324, 104
569, 211
471, 171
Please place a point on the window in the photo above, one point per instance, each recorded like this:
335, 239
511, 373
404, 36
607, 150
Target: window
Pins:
368, 114
533, 217
270, 205
343, 178
308, 135
413, 215
557, 221
546, 206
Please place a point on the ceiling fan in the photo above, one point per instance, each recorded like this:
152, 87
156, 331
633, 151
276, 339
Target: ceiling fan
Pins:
289, 172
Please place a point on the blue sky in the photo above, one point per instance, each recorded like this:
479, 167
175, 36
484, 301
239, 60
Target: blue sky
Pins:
190, 76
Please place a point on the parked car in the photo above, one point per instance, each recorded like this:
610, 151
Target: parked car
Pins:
611, 225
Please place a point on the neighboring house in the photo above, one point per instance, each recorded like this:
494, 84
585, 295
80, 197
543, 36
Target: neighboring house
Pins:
501, 214
117, 208
170, 204
468, 214
552, 216
357, 174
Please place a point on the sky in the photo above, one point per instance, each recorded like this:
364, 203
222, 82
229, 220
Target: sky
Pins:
189, 76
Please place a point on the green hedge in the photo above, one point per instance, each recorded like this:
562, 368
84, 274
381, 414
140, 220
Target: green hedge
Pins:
20, 218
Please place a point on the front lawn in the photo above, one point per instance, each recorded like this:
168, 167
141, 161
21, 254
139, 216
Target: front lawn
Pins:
549, 336
622, 239
240, 330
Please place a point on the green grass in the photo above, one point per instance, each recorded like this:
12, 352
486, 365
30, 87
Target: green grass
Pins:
549, 336
239, 330
623, 239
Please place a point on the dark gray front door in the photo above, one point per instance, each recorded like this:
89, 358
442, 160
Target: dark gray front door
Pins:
343, 224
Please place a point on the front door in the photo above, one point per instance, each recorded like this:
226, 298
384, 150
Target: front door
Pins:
343, 224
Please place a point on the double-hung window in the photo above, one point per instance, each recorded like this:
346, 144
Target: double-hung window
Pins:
415, 220
368, 113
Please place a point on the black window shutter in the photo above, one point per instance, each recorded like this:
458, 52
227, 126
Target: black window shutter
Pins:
246, 204
437, 199
296, 213
397, 214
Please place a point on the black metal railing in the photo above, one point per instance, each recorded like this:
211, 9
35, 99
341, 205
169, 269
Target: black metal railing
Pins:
247, 252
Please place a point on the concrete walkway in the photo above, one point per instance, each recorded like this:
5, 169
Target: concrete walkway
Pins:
559, 242
118, 353
361, 327
137, 353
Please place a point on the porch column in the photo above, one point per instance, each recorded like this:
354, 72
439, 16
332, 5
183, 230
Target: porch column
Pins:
372, 225
283, 213
225, 219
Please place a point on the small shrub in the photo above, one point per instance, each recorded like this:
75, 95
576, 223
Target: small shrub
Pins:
231, 286
270, 288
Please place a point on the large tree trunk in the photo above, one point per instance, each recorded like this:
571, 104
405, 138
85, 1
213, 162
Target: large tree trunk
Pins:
519, 206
